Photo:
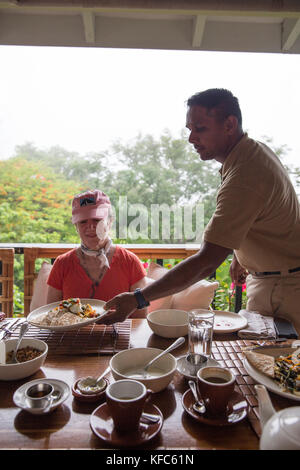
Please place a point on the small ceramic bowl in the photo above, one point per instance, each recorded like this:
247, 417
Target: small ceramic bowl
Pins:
169, 323
124, 363
91, 397
21, 370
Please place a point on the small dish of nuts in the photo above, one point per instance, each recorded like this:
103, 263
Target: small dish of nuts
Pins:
24, 354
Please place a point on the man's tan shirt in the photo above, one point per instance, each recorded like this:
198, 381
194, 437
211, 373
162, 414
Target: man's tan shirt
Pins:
258, 212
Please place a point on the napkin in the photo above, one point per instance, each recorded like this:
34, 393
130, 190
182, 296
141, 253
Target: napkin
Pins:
259, 326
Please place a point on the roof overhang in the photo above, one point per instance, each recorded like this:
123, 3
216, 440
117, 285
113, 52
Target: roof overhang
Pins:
211, 25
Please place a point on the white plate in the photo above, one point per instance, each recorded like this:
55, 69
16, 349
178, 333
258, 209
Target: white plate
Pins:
20, 401
183, 367
228, 322
263, 379
96, 304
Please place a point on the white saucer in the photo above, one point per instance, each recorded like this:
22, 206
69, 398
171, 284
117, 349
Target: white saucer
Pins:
20, 401
228, 322
183, 367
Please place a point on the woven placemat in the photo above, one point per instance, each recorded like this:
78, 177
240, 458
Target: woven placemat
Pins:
90, 339
230, 354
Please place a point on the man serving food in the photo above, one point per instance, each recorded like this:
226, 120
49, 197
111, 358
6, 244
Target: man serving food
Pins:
257, 217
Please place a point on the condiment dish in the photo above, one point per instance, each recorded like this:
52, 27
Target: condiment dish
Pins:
91, 397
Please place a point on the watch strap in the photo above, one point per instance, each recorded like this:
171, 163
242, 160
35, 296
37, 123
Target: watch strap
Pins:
141, 301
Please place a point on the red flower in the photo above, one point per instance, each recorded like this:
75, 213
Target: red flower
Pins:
232, 286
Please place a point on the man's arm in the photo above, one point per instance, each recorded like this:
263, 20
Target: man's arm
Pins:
183, 275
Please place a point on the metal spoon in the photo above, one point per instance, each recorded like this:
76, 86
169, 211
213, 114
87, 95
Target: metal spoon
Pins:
54, 396
150, 417
88, 384
23, 329
174, 345
137, 374
198, 405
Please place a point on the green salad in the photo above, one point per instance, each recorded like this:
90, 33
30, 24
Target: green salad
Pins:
287, 372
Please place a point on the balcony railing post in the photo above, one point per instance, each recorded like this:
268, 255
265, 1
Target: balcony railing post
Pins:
238, 299
7, 280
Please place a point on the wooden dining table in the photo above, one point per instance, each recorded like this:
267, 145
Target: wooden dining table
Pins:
68, 426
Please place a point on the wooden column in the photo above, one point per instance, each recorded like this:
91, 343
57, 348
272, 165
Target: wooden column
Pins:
7, 280
30, 255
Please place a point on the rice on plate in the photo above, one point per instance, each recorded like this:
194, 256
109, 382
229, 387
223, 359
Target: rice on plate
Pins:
68, 312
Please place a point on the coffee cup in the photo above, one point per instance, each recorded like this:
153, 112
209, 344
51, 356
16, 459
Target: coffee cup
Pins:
38, 395
216, 386
126, 400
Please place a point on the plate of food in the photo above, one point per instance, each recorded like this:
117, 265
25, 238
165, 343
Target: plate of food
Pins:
228, 322
69, 314
277, 368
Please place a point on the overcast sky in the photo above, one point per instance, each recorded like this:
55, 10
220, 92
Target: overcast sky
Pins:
85, 98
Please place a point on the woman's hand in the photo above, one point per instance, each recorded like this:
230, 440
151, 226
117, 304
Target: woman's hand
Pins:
237, 272
119, 308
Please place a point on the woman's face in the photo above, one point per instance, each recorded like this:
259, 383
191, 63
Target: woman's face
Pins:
88, 234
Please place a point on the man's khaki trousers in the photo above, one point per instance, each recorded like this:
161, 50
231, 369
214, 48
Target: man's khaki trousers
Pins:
275, 295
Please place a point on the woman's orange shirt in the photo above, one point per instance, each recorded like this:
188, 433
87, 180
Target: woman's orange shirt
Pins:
68, 276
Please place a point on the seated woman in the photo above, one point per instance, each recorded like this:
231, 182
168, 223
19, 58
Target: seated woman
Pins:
97, 269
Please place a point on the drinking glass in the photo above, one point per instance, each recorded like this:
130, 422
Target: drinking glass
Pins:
201, 323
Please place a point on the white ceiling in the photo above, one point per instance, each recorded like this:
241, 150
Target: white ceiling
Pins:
269, 26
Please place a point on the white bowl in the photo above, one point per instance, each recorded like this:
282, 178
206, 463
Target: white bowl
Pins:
23, 369
169, 323
136, 358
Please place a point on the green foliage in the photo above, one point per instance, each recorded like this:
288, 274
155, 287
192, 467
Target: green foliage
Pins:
18, 301
225, 294
35, 203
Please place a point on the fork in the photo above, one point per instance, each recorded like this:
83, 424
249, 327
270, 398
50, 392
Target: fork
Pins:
114, 333
8, 331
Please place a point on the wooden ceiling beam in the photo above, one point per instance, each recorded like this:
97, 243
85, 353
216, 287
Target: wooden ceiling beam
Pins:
290, 33
88, 18
198, 30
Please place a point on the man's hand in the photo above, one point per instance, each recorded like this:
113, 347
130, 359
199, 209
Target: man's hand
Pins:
119, 308
237, 272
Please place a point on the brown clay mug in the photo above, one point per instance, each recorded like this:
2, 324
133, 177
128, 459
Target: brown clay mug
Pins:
216, 386
126, 400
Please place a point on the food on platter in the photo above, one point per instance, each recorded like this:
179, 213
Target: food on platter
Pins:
68, 312
287, 372
262, 362
283, 369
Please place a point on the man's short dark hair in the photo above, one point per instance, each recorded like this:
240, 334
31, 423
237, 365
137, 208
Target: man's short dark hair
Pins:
219, 99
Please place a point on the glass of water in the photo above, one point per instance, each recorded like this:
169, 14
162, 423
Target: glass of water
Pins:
201, 324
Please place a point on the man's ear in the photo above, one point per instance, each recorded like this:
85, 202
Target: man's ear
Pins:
231, 124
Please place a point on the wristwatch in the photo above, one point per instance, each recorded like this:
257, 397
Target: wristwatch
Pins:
141, 301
